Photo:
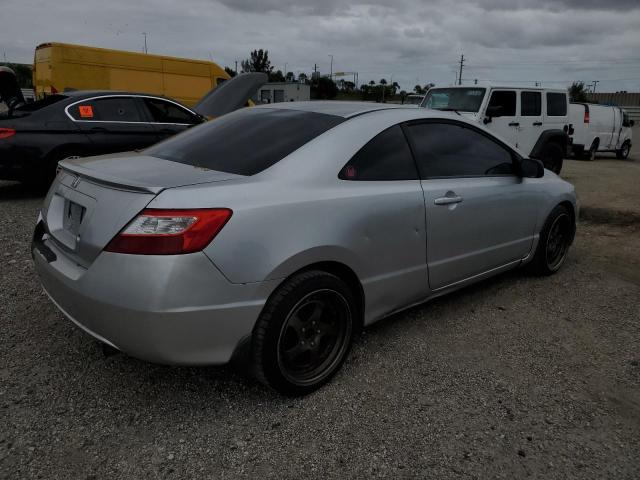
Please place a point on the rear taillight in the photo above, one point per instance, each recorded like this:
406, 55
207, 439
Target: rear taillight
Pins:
7, 132
586, 115
170, 232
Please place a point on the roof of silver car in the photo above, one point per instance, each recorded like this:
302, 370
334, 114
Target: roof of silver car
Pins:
334, 107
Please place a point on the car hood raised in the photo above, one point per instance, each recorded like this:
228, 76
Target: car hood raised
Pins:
231, 95
10, 93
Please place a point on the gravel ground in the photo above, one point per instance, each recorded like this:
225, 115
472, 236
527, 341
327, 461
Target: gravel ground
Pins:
514, 377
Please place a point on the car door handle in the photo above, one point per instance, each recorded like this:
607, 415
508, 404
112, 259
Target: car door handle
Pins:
514, 124
537, 124
448, 199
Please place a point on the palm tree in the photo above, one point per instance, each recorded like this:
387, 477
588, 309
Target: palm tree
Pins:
372, 83
383, 81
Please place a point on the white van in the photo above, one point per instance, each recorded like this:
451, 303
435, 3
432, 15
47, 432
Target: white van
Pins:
533, 119
600, 128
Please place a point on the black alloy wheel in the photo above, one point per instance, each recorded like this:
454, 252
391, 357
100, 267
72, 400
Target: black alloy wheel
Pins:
313, 337
304, 332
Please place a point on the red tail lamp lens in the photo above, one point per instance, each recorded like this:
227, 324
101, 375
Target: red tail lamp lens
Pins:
170, 232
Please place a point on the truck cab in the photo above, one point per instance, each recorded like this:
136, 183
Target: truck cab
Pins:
534, 120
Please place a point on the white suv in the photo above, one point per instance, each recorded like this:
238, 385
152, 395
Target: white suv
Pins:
535, 120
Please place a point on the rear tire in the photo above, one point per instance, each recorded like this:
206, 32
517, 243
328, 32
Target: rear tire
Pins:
590, 154
552, 157
555, 240
623, 153
304, 333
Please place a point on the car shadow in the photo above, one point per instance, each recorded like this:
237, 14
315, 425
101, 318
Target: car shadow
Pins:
19, 191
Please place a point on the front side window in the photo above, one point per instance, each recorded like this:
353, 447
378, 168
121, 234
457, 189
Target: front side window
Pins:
166, 112
458, 99
386, 157
556, 104
246, 141
450, 150
504, 102
531, 104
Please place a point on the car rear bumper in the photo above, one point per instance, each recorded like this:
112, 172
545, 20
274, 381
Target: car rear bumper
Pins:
176, 310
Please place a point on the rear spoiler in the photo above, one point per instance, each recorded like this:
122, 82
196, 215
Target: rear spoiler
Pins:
79, 171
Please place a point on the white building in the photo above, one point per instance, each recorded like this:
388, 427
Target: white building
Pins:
277, 92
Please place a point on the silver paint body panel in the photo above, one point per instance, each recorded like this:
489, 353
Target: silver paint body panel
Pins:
196, 308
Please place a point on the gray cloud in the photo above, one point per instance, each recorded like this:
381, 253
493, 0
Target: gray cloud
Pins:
415, 41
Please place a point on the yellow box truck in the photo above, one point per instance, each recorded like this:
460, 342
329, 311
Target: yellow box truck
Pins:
61, 66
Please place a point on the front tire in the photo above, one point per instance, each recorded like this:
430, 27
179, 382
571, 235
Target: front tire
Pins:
555, 240
623, 153
304, 333
552, 157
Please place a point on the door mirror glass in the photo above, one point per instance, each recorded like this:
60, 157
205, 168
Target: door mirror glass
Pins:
531, 168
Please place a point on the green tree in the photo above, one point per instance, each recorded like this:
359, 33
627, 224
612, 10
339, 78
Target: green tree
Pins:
276, 76
372, 83
230, 71
290, 77
258, 62
418, 89
577, 92
326, 89
303, 77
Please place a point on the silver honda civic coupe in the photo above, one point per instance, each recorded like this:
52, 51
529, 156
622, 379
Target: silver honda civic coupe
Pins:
281, 230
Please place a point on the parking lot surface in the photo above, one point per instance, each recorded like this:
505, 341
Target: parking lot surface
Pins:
514, 377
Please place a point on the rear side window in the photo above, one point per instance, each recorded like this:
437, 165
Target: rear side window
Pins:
531, 104
245, 142
166, 112
118, 109
449, 150
386, 157
506, 100
556, 104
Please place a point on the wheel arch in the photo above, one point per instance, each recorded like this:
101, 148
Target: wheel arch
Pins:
344, 273
549, 136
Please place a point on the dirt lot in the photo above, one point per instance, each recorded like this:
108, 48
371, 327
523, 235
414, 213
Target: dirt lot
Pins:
515, 377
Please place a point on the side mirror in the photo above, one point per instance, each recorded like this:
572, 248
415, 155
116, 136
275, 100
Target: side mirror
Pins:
531, 168
632, 123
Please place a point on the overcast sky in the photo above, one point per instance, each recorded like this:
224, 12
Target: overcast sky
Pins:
552, 41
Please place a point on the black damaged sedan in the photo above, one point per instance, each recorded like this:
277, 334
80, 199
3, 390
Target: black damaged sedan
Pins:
34, 137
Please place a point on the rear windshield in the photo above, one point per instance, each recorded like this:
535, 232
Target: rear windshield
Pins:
245, 142
458, 99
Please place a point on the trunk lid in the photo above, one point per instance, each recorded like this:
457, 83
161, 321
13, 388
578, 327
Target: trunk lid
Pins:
231, 95
92, 199
10, 93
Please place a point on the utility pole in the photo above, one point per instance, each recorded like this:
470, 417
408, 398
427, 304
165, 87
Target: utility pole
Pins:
331, 70
285, 71
595, 84
145, 41
315, 73
461, 65
236, 67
